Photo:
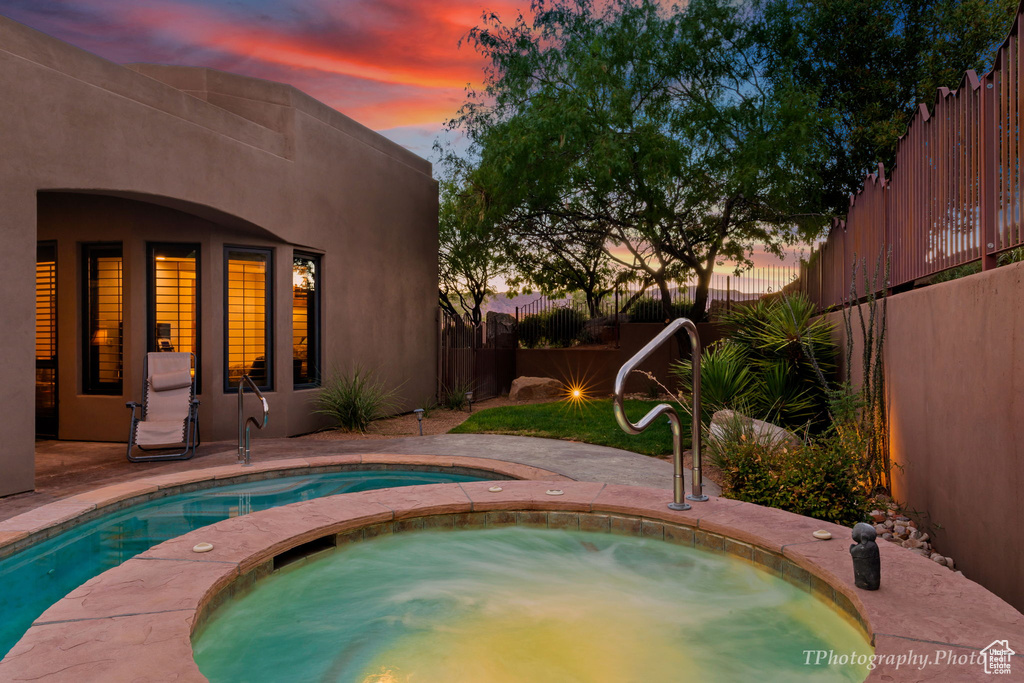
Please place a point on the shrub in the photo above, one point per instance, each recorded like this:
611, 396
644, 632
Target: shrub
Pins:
531, 330
649, 310
725, 379
791, 354
817, 480
355, 399
563, 326
454, 397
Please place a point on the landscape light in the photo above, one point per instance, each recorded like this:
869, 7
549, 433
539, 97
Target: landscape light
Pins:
419, 416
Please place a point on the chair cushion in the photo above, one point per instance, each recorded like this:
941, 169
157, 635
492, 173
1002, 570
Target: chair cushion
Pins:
160, 433
166, 381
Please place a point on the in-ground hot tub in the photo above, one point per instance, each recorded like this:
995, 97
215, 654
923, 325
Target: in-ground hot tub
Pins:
512, 604
173, 590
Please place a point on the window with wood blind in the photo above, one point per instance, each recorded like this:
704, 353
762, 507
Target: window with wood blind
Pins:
103, 334
174, 298
305, 320
247, 319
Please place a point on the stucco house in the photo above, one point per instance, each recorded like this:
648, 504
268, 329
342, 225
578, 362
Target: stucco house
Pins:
147, 208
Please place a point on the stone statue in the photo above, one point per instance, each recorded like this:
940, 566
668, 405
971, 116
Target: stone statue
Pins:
867, 565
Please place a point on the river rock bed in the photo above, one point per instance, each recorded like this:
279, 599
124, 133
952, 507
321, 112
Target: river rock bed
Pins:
895, 527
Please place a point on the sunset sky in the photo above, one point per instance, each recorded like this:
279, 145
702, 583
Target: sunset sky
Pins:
393, 65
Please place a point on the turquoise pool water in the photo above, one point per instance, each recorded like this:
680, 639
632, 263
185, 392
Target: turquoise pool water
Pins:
516, 604
37, 577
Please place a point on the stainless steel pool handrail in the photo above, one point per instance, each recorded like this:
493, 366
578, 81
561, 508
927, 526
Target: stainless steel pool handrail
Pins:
697, 482
244, 450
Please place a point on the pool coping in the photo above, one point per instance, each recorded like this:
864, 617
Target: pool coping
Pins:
920, 608
46, 521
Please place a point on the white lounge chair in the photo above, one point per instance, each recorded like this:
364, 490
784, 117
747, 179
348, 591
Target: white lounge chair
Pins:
169, 416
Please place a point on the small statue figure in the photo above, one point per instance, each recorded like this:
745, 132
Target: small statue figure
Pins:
867, 565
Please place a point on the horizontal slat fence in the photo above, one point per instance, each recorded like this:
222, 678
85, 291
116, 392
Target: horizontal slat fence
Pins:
953, 197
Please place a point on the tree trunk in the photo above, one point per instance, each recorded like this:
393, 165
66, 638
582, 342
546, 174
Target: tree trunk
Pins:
698, 312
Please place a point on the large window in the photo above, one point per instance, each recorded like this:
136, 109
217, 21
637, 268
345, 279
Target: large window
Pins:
306, 320
174, 298
46, 339
103, 333
247, 329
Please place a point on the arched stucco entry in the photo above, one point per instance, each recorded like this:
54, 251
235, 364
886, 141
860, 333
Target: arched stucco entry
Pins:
219, 155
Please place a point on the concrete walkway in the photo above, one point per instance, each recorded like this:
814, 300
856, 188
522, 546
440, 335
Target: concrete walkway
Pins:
65, 468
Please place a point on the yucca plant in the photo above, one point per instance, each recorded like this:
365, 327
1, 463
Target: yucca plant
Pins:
356, 398
725, 378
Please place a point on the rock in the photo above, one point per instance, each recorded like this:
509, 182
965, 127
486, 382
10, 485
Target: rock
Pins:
889, 524
501, 330
923, 537
912, 523
938, 559
899, 529
911, 543
902, 518
922, 552
765, 432
877, 516
889, 537
958, 572
530, 388
880, 529
949, 563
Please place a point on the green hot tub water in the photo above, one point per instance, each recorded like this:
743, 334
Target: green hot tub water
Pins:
37, 577
520, 604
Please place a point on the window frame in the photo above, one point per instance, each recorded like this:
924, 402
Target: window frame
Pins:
151, 248
91, 386
314, 350
268, 319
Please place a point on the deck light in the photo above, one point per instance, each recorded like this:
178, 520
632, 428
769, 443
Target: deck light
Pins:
419, 416
469, 400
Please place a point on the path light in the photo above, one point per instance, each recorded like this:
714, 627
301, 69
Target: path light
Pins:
419, 416
469, 400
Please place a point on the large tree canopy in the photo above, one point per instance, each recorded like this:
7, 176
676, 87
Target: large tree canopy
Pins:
871, 62
652, 128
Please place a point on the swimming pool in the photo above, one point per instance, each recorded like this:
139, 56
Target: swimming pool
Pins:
37, 577
523, 604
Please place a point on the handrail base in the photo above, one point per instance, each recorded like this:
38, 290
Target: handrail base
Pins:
680, 506
700, 499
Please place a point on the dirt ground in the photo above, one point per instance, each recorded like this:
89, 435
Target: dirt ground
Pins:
438, 421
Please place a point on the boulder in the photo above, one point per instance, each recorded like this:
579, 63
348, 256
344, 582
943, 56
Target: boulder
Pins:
763, 431
533, 388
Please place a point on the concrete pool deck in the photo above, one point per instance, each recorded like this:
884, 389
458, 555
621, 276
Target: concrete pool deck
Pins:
66, 468
135, 622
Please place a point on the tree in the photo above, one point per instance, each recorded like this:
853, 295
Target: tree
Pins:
652, 127
871, 62
559, 258
469, 259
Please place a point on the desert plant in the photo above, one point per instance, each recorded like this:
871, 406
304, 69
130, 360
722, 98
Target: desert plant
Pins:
563, 325
817, 479
355, 398
453, 397
649, 310
791, 353
531, 331
725, 379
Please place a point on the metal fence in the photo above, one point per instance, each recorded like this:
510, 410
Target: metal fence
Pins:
569, 321
952, 198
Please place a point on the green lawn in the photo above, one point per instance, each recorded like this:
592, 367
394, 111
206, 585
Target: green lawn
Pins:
590, 422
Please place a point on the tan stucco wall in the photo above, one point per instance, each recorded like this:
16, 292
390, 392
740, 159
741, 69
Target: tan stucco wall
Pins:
955, 371
261, 164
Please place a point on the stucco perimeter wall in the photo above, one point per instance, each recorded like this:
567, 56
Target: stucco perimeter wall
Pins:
243, 154
955, 371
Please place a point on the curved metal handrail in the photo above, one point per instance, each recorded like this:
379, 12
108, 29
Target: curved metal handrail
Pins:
697, 487
244, 450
